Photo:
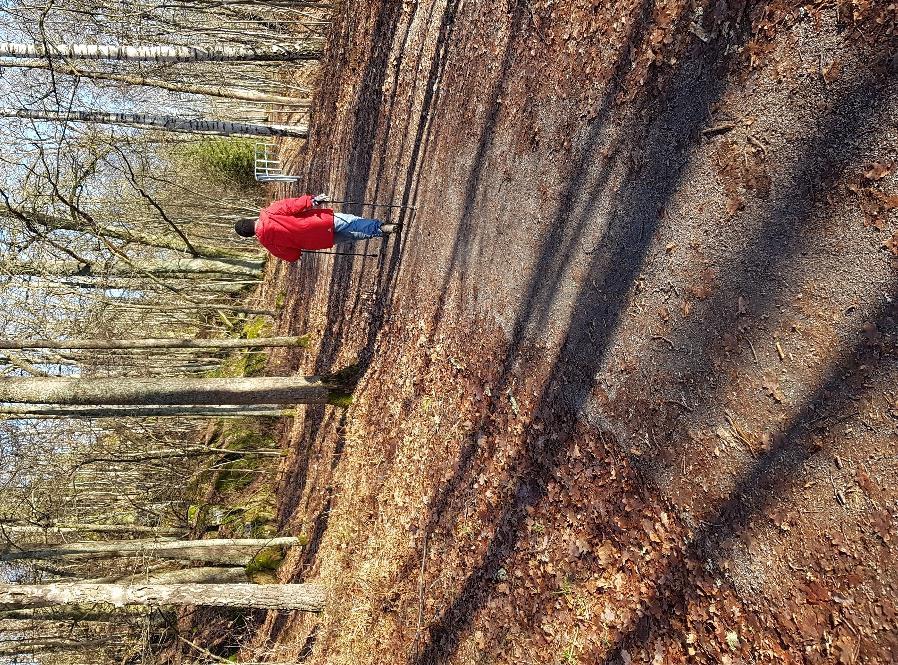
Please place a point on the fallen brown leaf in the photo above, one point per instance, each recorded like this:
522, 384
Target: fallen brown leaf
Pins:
879, 170
832, 72
892, 244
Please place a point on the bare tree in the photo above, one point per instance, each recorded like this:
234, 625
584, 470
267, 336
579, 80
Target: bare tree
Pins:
166, 123
155, 343
307, 597
41, 224
167, 391
125, 268
230, 551
304, 50
227, 92
28, 532
200, 575
140, 411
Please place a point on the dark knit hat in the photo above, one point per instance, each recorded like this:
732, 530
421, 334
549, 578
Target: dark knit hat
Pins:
246, 227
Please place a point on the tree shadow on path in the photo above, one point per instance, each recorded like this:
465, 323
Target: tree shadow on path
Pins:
679, 111
682, 111
770, 475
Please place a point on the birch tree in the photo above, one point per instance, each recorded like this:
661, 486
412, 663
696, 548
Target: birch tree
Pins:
152, 411
230, 551
166, 123
304, 50
154, 343
306, 597
227, 92
200, 575
28, 532
168, 391
121, 268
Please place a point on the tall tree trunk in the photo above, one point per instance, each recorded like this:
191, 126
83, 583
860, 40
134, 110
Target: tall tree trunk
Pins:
169, 453
42, 645
242, 94
166, 390
18, 532
304, 50
169, 307
73, 614
308, 597
165, 123
119, 268
229, 551
152, 343
202, 575
179, 410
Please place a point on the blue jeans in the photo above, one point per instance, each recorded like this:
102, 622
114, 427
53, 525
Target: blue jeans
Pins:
349, 228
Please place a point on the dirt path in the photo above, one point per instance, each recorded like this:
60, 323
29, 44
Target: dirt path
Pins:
628, 379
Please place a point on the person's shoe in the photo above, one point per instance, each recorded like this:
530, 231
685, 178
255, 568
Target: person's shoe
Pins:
387, 229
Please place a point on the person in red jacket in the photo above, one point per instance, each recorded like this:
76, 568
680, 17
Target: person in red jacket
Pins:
288, 227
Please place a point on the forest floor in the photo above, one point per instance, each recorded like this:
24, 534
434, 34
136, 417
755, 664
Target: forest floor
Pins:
628, 377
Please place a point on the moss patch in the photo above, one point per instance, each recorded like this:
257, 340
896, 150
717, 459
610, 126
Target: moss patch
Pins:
262, 568
339, 398
243, 436
237, 475
256, 327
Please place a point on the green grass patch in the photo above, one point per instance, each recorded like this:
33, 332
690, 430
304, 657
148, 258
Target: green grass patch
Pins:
243, 437
238, 473
240, 499
254, 363
228, 160
262, 568
206, 516
194, 514
254, 517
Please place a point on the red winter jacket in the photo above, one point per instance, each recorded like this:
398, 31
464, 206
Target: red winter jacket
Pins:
288, 226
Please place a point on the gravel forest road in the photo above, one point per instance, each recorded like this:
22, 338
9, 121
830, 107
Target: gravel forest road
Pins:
628, 376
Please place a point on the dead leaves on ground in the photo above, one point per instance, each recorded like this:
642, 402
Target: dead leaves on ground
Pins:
891, 245
874, 201
742, 168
